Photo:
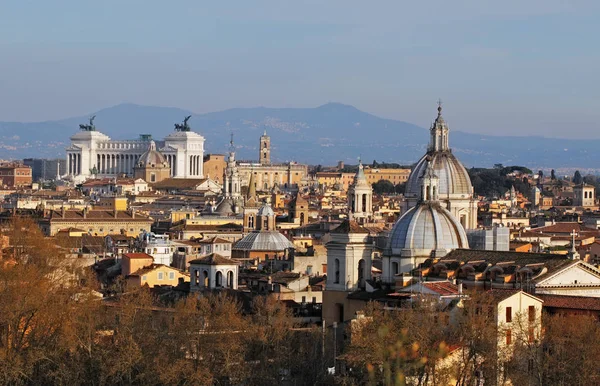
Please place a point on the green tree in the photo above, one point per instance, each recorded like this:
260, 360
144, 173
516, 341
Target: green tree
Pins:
383, 187
577, 178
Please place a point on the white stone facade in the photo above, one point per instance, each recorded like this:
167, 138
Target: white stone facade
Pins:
349, 261
93, 151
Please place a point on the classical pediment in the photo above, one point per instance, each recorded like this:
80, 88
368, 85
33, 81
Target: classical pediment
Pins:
577, 274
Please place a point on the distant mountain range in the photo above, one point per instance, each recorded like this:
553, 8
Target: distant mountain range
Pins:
321, 135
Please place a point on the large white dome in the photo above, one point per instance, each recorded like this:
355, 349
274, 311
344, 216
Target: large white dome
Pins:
454, 181
424, 229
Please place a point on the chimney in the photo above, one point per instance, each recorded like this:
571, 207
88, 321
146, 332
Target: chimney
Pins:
460, 288
115, 212
84, 212
62, 212
132, 213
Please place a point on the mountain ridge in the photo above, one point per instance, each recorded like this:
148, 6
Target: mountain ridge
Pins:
316, 135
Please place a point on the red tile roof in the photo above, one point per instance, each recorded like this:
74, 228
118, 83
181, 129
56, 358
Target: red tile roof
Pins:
138, 255
570, 302
443, 288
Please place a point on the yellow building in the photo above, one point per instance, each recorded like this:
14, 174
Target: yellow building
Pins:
112, 203
96, 222
214, 166
267, 176
329, 179
139, 270
395, 176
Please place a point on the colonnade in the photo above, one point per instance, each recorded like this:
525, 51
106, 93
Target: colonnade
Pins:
195, 165
116, 163
172, 160
74, 164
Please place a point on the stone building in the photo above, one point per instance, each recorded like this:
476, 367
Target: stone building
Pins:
94, 153
213, 272
584, 195
14, 175
349, 260
214, 166
96, 222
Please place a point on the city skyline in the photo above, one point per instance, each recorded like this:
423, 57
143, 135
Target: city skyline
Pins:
496, 67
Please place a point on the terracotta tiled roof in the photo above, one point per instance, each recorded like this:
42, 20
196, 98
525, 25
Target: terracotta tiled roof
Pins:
151, 268
561, 227
349, 226
138, 255
501, 294
570, 302
214, 259
214, 240
179, 183
443, 288
97, 215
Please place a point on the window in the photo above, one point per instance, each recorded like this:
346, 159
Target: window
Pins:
531, 335
144, 278
508, 314
508, 337
171, 275
160, 276
303, 299
337, 271
531, 314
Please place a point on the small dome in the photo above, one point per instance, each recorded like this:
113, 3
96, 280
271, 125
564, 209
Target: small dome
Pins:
225, 207
454, 181
266, 211
152, 157
425, 228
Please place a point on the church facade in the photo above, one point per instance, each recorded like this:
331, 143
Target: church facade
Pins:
92, 153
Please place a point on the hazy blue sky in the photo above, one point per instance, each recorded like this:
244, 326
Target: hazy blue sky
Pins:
506, 67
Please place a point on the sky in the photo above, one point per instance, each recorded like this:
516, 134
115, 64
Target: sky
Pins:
508, 67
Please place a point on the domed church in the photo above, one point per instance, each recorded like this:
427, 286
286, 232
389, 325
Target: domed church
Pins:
424, 231
152, 166
455, 191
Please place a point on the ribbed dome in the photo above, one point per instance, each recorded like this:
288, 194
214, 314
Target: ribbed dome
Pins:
152, 157
264, 241
425, 228
265, 210
454, 181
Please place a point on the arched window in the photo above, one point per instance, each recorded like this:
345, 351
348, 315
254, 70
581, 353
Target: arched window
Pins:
395, 270
219, 280
301, 218
361, 273
251, 221
206, 279
266, 186
364, 203
229, 279
197, 277
336, 270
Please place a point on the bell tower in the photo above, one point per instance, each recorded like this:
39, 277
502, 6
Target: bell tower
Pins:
265, 149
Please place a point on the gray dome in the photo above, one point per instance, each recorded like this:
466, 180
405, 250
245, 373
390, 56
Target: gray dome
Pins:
425, 228
264, 241
225, 207
152, 157
454, 181
266, 211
